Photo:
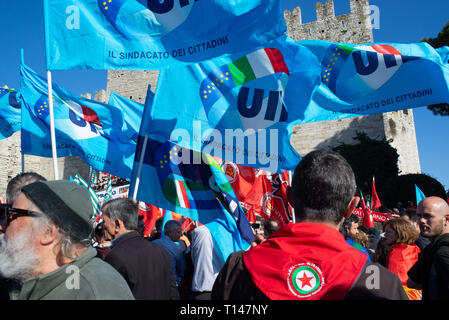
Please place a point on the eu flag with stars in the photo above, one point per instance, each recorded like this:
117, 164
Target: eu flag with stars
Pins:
190, 184
94, 131
10, 113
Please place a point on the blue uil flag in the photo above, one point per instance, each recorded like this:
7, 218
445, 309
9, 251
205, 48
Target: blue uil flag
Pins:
94, 131
375, 78
152, 34
191, 184
243, 107
10, 113
234, 107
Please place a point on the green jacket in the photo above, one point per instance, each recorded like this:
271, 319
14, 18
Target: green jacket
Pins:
86, 278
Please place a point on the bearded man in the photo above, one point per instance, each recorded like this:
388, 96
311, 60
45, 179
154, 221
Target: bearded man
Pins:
47, 246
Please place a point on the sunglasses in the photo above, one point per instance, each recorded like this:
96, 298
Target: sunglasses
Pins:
8, 214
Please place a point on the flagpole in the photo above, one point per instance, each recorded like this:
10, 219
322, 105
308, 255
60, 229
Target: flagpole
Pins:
139, 169
90, 175
52, 126
23, 159
22, 61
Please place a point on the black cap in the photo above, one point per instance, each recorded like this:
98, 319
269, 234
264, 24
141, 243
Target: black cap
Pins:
66, 203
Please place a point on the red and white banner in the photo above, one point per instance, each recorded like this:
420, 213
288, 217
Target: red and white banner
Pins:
377, 216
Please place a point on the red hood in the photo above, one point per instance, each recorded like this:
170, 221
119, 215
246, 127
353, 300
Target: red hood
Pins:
304, 261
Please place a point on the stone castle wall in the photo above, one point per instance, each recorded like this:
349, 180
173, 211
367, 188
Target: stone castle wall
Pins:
354, 27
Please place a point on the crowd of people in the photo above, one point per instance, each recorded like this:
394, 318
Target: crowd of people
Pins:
50, 249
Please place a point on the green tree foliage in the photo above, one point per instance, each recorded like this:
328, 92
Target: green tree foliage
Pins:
402, 189
441, 40
370, 158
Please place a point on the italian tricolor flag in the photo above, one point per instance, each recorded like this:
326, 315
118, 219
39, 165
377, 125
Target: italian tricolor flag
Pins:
257, 64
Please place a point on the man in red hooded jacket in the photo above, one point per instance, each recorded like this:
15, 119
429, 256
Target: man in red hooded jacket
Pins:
310, 259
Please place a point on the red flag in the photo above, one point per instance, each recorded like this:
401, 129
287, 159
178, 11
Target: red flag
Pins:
367, 217
251, 215
258, 194
375, 201
275, 203
187, 224
150, 214
248, 186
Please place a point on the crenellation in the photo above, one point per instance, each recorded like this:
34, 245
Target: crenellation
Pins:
325, 11
354, 27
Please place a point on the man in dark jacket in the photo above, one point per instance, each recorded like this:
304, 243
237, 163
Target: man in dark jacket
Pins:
144, 265
431, 272
310, 259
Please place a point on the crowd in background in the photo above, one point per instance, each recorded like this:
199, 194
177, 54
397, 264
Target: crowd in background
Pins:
46, 228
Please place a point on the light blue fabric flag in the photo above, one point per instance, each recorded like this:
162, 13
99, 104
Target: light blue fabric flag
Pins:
177, 179
132, 112
375, 78
149, 35
259, 95
94, 131
234, 107
9, 112
419, 195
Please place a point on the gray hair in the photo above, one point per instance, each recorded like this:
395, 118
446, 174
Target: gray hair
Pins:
69, 244
124, 209
16, 184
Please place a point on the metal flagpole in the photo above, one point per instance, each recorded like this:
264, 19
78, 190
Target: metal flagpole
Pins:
139, 169
90, 176
23, 160
22, 61
52, 127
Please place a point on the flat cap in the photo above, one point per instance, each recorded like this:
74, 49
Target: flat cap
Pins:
66, 203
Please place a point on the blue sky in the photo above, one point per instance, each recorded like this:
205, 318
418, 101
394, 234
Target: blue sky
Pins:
401, 21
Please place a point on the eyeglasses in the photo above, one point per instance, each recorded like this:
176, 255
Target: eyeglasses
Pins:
6, 211
3, 214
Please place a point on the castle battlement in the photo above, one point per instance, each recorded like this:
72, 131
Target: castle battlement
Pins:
354, 27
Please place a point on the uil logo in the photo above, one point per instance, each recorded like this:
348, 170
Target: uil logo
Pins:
71, 118
84, 121
13, 99
260, 78
146, 18
354, 72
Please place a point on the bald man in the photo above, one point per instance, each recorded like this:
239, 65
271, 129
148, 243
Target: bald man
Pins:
431, 272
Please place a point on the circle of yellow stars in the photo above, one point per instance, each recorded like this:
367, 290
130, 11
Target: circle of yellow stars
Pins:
43, 107
216, 84
171, 154
105, 3
331, 64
